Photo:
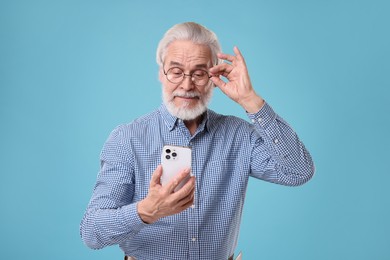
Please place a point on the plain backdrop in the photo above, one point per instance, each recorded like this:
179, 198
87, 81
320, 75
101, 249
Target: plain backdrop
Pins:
71, 71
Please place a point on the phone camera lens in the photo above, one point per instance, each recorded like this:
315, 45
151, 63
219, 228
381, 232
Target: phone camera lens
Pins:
174, 154
168, 150
168, 157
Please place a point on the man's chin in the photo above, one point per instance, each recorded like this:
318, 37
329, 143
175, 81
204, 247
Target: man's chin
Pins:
185, 103
186, 109
186, 112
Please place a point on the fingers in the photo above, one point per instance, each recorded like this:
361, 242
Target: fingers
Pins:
162, 201
156, 176
187, 189
226, 57
232, 58
235, 61
185, 196
180, 200
176, 181
186, 202
218, 82
222, 69
238, 53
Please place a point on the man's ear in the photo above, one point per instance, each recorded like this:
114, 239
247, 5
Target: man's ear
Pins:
161, 75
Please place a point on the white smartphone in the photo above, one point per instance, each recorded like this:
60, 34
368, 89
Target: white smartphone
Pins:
173, 160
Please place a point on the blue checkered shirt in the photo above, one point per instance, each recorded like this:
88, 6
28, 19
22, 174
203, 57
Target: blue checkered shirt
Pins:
226, 151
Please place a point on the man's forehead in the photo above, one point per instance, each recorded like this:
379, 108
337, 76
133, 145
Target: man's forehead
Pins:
173, 63
182, 52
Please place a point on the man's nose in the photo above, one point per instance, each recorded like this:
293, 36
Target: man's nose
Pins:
187, 83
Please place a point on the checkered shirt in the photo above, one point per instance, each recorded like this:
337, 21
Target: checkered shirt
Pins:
226, 151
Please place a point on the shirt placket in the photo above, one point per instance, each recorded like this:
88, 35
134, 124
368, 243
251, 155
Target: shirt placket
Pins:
192, 211
193, 218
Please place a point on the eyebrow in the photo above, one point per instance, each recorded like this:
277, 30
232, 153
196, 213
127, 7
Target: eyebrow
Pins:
198, 66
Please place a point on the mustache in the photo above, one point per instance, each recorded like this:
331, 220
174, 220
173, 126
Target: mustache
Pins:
190, 94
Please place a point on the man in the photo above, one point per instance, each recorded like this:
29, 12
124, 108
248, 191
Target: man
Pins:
131, 208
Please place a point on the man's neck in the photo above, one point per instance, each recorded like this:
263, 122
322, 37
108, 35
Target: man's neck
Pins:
192, 125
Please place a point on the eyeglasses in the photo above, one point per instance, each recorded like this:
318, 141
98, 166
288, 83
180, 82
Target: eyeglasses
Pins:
199, 77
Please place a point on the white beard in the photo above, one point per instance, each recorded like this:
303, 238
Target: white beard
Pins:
184, 112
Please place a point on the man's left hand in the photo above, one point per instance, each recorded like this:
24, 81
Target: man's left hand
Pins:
238, 86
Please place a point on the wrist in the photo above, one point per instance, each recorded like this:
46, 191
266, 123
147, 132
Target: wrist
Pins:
146, 215
252, 104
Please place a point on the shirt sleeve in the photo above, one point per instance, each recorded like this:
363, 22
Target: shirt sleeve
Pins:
111, 215
278, 154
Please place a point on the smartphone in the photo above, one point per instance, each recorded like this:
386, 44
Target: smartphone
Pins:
173, 160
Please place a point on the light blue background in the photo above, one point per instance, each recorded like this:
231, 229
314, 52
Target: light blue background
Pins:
70, 71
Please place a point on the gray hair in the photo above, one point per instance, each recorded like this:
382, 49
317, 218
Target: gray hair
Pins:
193, 32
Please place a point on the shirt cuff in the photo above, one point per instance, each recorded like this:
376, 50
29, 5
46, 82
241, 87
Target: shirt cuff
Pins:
263, 117
131, 219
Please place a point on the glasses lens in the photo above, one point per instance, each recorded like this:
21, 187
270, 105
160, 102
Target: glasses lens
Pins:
200, 77
175, 75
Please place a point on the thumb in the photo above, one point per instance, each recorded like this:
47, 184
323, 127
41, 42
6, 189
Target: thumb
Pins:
156, 176
224, 87
218, 82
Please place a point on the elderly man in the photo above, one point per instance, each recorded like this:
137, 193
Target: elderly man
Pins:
130, 207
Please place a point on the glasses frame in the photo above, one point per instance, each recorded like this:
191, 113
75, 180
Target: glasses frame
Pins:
187, 75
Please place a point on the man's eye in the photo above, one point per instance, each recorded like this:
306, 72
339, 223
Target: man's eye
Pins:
176, 72
199, 74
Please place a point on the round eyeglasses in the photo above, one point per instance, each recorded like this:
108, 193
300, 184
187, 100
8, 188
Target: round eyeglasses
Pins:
176, 75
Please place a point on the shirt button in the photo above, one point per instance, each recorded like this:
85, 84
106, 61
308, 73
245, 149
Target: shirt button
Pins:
193, 239
259, 119
193, 206
276, 141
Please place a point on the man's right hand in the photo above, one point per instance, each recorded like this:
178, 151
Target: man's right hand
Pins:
162, 201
